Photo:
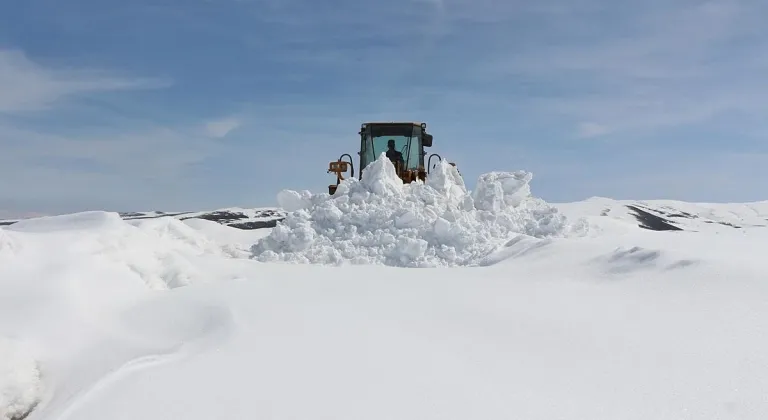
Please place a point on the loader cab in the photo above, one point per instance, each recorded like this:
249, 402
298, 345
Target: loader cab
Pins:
409, 139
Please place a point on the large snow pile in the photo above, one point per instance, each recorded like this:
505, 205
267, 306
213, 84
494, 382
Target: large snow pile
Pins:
381, 220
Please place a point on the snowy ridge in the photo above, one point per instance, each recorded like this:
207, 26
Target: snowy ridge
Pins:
672, 215
157, 251
233, 216
241, 218
381, 220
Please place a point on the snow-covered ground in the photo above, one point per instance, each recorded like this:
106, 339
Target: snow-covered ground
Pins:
240, 218
520, 310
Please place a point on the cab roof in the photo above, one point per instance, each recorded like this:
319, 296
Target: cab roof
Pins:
417, 123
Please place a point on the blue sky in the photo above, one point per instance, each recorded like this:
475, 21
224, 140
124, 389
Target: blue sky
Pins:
201, 104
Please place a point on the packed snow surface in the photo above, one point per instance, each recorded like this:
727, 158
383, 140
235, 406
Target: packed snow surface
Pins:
103, 318
381, 220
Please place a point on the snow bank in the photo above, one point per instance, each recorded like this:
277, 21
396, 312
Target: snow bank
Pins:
20, 388
7, 244
380, 220
67, 286
87, 220
161, 252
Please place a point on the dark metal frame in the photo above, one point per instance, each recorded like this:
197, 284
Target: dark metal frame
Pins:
393, 128
386, 128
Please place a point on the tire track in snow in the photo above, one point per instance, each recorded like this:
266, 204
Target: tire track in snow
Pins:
208, 326
83, 397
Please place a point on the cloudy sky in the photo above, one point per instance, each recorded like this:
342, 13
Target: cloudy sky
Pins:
200, 104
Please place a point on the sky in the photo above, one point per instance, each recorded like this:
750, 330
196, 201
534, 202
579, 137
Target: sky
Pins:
204, 104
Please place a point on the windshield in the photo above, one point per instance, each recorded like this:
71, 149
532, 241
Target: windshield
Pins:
407, 147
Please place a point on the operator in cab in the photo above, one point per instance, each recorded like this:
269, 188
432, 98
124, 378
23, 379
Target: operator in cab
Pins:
395, 156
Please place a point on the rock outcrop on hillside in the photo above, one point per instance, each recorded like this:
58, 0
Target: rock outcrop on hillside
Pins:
247, 219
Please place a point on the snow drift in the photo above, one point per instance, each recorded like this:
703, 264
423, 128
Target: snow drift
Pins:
20, 386
381, 220
157, 251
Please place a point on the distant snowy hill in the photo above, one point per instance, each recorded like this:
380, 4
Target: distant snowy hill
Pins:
659, 215
240, 218
663, 215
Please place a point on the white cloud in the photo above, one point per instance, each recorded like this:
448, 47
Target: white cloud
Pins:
108, 164
28, 86
144, 153
145, 168
661, 64
220, 128
590, 129
699, 179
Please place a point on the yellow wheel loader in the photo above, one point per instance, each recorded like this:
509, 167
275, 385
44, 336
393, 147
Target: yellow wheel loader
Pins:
403, 143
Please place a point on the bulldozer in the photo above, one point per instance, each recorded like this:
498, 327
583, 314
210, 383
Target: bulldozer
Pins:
404, 144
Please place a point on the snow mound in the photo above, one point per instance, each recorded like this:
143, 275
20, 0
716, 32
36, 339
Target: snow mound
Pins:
176, 234
68, 222
20, 387
381, 220
162, 252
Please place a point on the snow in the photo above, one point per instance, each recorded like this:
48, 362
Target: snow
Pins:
241, 218
542, 314
691, 216
380, 220
20, 385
